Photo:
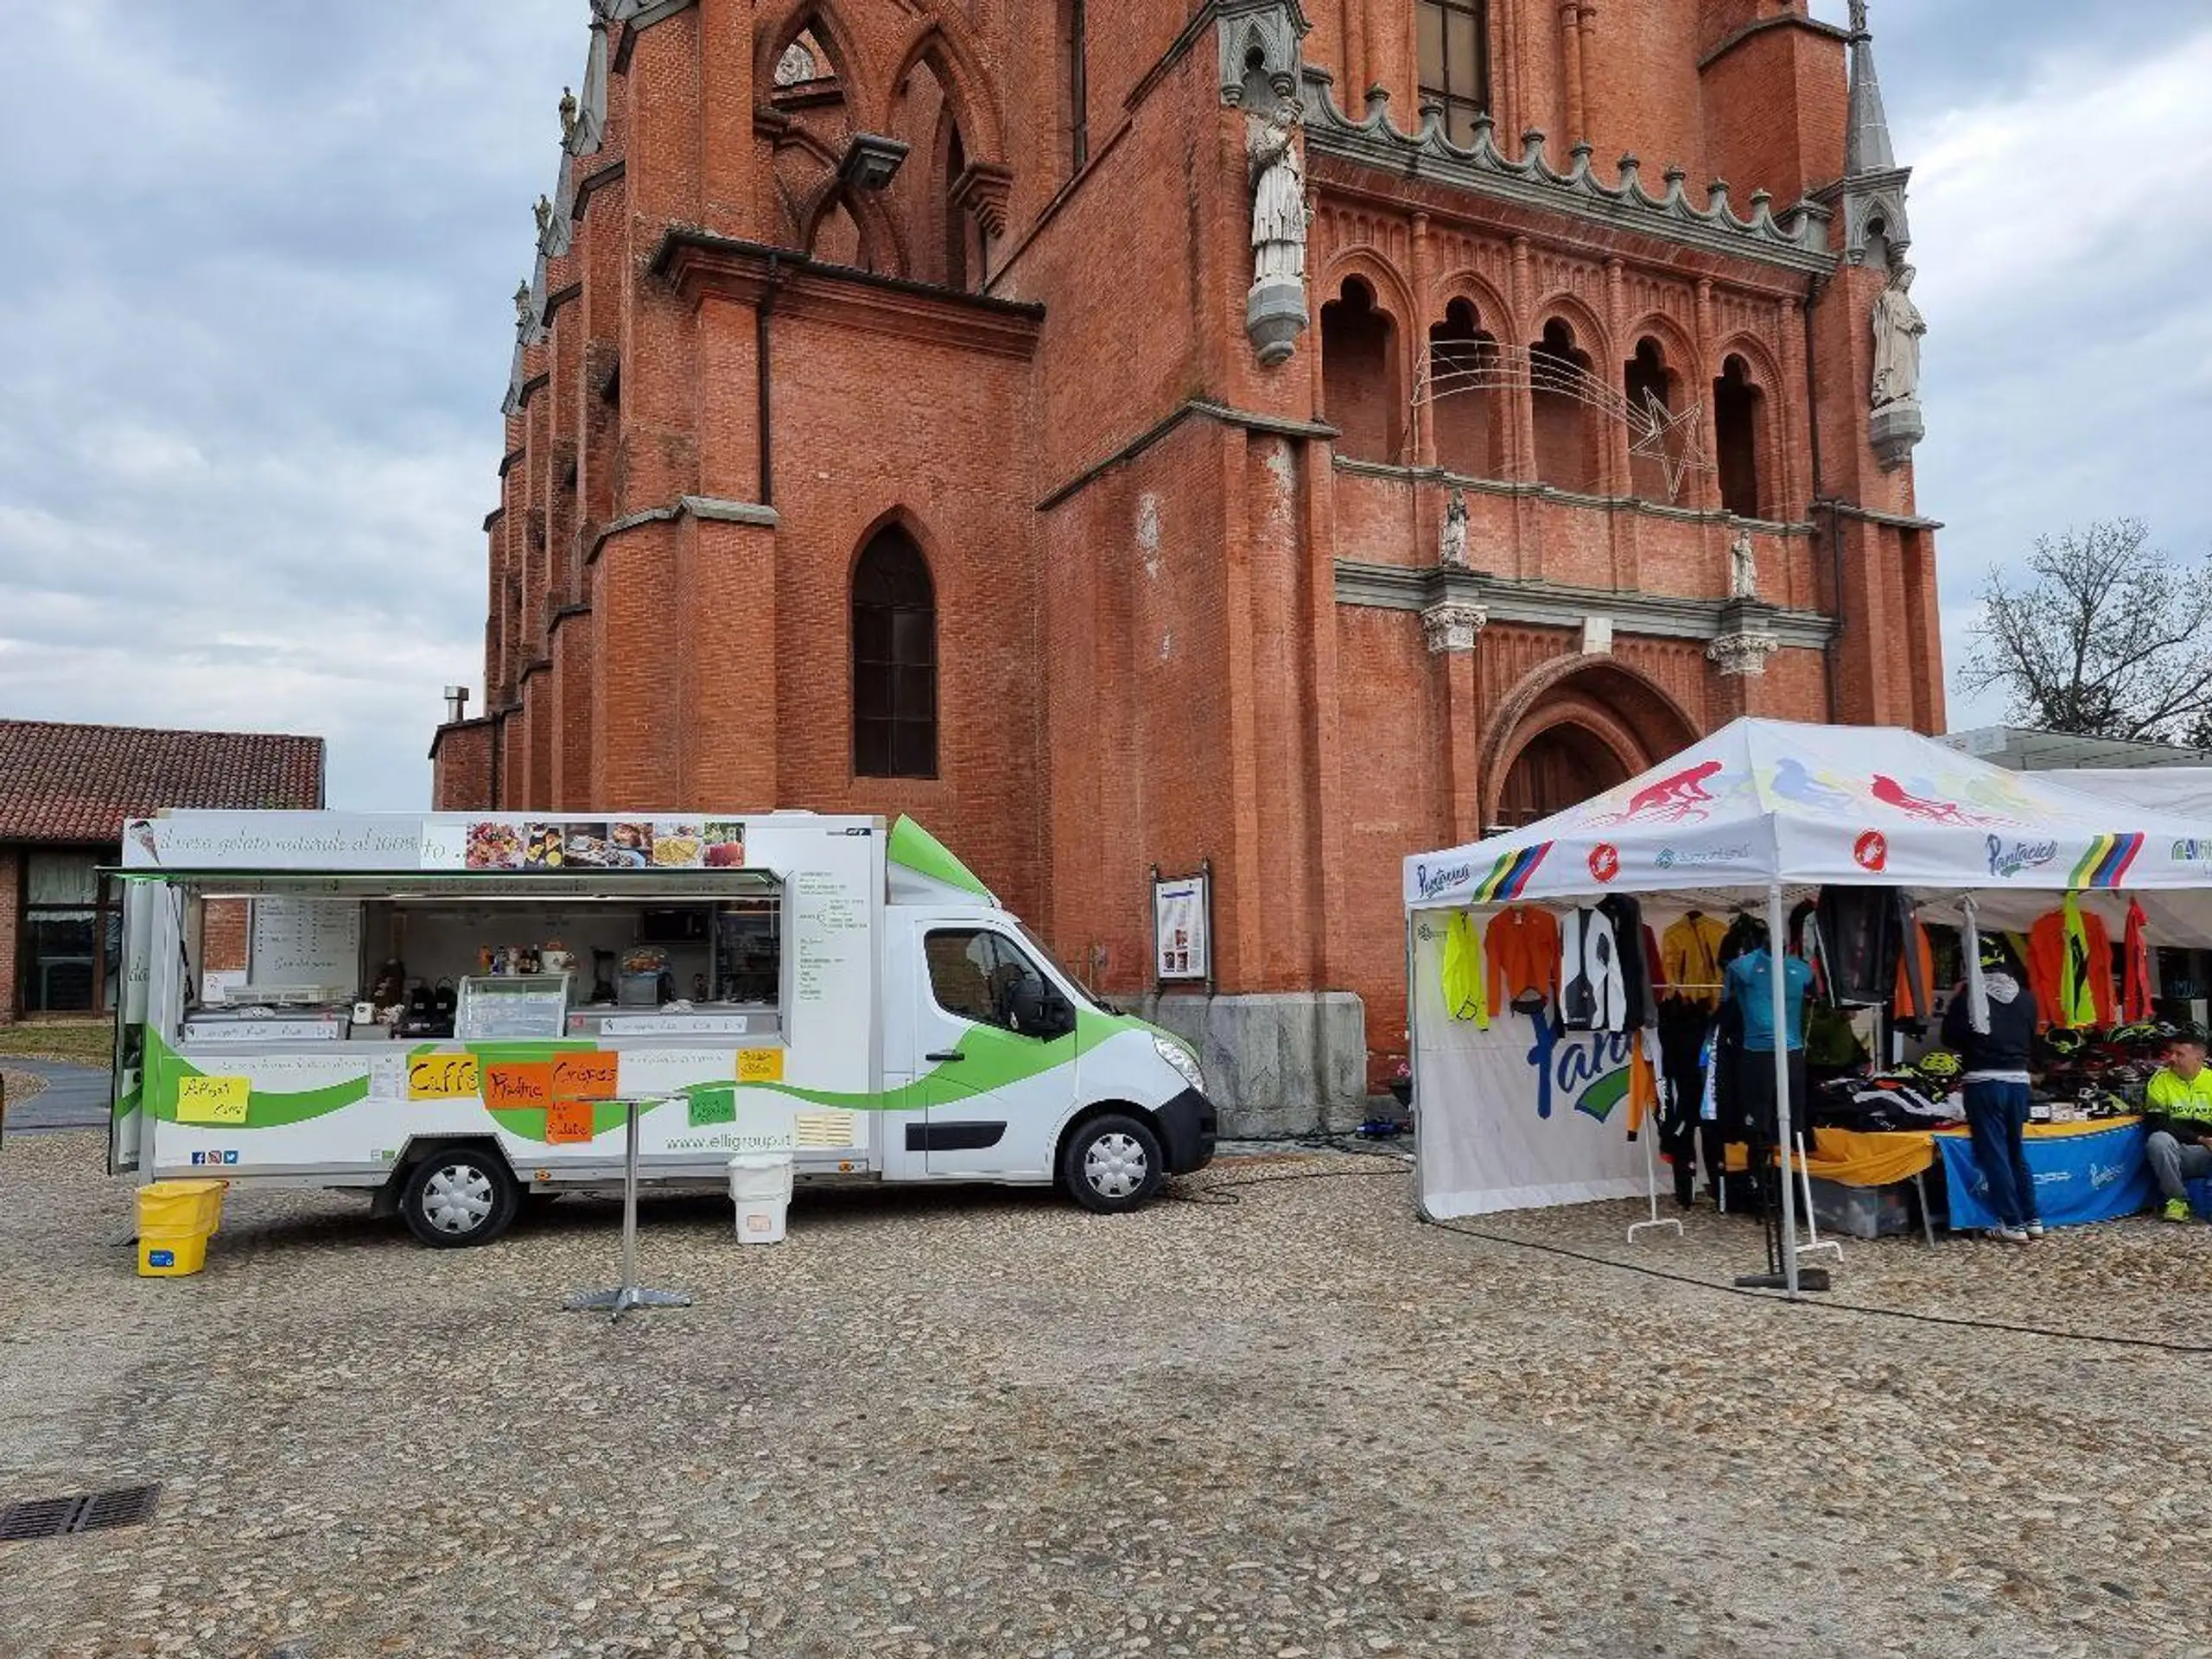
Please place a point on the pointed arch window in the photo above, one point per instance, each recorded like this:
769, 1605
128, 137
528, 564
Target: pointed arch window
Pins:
894, 660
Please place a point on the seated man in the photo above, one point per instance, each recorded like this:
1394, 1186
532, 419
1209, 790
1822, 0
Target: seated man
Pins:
2178, 1114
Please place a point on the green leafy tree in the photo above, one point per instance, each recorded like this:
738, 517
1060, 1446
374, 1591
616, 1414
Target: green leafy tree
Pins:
2109, 637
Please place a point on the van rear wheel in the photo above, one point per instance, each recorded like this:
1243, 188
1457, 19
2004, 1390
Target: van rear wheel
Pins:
1112, 1164
460, 1196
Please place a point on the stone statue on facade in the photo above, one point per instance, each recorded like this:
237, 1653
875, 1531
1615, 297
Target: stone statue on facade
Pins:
522, 318
1743, 567
1452, 543
1274, 310
1899, 326
569, 115
544, 211
1859, 16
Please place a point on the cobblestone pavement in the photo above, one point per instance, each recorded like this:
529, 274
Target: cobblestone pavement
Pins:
1288, 1420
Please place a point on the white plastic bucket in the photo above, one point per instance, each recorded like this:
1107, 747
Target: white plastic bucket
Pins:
760, 1188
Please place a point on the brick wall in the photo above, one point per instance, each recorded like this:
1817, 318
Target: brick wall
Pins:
11, 899
1142, 658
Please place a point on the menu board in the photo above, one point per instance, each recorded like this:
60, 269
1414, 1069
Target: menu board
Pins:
829, 941
299, 941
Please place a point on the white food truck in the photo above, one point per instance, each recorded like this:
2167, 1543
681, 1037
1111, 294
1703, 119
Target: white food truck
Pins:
453, 1011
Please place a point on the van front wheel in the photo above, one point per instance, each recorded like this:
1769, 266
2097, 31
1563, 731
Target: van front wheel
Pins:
460, 1196
1112, 1164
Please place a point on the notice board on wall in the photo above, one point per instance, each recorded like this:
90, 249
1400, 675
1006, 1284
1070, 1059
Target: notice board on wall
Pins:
307, 942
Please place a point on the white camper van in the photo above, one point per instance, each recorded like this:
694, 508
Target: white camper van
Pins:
450, 1011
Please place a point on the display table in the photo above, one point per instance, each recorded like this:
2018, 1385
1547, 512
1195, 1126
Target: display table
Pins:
2084, 1173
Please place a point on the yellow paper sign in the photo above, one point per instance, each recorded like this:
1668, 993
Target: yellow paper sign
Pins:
212, 1100
443, 1076
759, 1065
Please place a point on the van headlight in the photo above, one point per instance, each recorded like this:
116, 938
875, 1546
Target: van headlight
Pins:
1179, 1058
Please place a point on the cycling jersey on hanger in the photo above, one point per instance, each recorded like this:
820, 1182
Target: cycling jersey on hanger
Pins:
1521, 947
1464, 995
1593, 996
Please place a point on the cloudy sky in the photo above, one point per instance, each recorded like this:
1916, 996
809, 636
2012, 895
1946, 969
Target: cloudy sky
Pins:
254, 328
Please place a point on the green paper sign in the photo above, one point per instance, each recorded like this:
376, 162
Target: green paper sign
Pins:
717, 1104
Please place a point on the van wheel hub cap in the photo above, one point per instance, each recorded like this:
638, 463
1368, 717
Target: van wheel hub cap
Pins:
1115, 1165
457, 1199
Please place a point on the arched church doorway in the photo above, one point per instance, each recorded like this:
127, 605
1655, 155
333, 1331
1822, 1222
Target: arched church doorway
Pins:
1560, 767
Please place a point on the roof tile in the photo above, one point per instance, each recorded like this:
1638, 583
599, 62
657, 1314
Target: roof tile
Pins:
79, 783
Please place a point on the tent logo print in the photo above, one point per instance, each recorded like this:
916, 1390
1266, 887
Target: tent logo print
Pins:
1604, 861
1872, 851
1593, 1072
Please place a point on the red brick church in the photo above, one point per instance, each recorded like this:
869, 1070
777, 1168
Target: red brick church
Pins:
1286, 433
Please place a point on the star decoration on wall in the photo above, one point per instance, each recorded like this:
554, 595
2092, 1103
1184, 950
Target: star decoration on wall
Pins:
1676, 440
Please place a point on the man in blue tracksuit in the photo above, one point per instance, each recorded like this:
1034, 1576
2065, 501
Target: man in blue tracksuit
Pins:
1996, 1066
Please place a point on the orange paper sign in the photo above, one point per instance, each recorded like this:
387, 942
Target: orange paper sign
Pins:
441, 1077
518, 1084
585, 1077
569, 1123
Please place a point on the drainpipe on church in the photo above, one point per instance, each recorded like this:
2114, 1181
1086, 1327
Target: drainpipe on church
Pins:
765, 373
1813, 289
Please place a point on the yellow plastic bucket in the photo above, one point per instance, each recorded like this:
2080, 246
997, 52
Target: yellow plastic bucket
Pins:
181, 1206
170, 1255
175, 1220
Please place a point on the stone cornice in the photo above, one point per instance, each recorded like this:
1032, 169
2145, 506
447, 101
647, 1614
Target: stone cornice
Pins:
1202, 408
509, 462
563, 614
1555, 604
1797, 241
711, 509
698, 262
592, 183
560, 297
492, 517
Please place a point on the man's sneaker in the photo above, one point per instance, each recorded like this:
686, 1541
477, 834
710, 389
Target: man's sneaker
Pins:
2177, 1210
2034, 1229
2006, 1235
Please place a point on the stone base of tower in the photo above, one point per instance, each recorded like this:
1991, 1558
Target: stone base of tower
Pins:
1282, 1064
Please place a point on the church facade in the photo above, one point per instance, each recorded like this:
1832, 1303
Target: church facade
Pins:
1268, 435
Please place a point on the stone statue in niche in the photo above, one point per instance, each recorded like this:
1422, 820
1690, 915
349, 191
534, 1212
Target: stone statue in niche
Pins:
1274, 310
1743, 567
1279, 216
1898, 327
1452, 543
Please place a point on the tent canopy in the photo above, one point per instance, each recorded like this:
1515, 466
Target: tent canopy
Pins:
2186, 790
1764, 801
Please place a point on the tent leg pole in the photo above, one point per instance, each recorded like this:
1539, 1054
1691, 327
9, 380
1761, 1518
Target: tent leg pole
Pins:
1651, 1188
1777, 944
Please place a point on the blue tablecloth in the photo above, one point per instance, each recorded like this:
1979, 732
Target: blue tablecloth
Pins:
2079, 1178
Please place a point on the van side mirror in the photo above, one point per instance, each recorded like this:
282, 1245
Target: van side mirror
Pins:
1041, 1011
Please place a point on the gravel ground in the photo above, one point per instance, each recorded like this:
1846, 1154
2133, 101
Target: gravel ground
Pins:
1286, 1419
21, 1085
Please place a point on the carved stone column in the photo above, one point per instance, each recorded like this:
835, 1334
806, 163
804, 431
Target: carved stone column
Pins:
1454, 624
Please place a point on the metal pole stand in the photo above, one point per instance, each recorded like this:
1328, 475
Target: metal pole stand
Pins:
1651, 1185
628, 1294
1812, 1224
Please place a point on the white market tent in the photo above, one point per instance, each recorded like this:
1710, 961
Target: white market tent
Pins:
1759, 811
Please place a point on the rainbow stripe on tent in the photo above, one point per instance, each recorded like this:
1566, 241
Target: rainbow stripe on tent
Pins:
1511, 874
2105, 863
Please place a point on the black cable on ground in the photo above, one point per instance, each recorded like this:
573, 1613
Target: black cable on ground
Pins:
1201, 1197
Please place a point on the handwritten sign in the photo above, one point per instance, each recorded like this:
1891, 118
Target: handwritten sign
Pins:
212, 1100
443, 1076
715, 1105
569, 1123
512, 1083
759, 1065
585, 1077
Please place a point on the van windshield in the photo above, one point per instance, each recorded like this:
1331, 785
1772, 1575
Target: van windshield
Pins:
1045, 954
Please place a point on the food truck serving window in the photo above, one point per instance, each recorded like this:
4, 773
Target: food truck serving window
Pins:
405, 958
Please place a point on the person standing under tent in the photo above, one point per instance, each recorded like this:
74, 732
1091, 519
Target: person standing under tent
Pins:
2180, 1121
1995, 1062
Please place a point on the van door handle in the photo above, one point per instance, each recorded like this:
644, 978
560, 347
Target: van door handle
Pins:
944, 1056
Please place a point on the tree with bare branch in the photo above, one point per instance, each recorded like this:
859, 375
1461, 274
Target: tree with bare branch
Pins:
2112, 637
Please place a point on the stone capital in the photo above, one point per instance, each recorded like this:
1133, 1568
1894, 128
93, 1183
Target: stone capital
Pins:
1743, 654
1452, 626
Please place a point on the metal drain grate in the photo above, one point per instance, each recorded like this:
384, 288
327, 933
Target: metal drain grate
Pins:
53, 1518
